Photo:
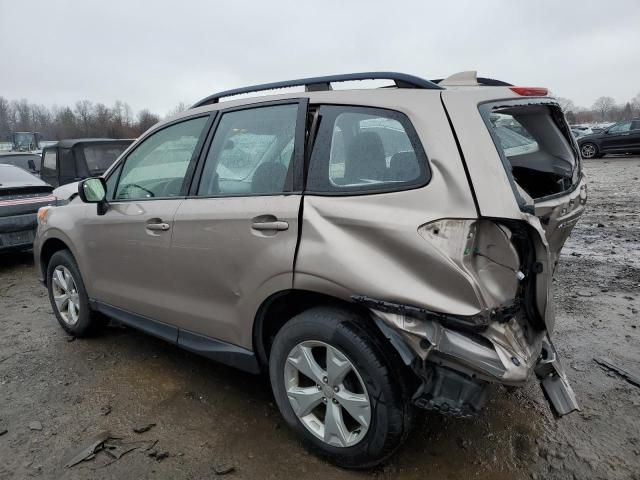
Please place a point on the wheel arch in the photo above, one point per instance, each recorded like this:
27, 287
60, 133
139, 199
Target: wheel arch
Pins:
49, 247
282, 306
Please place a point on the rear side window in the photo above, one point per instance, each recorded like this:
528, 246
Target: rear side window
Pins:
365, 150
535, 146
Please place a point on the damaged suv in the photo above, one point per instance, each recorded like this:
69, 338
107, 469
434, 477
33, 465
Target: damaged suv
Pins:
373, 250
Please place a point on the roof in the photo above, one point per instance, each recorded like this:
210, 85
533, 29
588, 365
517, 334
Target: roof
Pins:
72, 142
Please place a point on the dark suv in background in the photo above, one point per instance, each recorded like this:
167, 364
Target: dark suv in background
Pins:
623, 137
72, 160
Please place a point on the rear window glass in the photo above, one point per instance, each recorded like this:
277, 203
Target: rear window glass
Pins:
535, 148
100, 157
365, 149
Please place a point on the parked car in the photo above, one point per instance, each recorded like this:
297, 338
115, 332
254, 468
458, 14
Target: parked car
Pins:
622, 137
373, 250
21, 195
30, 162
72, 160
583, 129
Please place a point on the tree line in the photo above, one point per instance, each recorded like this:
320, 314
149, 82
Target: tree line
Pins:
604, 109
84, 119
88, 119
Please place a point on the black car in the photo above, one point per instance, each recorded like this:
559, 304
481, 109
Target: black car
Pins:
30, 162
72, 160
623, 137
21, 195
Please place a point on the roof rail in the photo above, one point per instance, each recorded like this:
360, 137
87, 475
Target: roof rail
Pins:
314, 84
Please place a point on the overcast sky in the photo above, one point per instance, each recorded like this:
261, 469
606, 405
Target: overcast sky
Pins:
154, 54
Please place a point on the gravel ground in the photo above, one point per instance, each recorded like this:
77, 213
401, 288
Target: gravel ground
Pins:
55, 394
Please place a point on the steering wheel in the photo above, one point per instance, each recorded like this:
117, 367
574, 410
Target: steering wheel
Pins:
135, 185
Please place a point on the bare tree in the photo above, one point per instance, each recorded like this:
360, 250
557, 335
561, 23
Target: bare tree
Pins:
635, 105
181, 107
566, 104
603, 107
84, 112
146, 120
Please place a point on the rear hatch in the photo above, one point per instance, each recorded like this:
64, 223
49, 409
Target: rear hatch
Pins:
524, 166
541, 160
22, 193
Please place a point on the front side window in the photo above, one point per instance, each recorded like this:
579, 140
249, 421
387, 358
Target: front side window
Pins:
158, 166
620, 128
365, 149
49, 160
251, 152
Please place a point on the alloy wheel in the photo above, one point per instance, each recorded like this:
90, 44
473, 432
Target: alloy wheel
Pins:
327, 393
65, 295
588, 150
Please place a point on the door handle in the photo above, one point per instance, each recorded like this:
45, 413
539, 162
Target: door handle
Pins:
277, 225
158, 227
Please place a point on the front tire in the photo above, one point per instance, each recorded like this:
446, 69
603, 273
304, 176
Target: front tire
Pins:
68, 296
589, 150
339, 388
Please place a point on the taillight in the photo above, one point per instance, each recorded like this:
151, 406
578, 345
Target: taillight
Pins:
530, 91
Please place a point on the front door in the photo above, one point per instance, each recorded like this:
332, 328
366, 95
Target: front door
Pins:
617, 137
127, 247
234, 238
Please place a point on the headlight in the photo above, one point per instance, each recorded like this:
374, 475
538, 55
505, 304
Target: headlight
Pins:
43, 212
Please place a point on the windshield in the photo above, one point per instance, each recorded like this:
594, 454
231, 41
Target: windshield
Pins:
25, 141
100, 157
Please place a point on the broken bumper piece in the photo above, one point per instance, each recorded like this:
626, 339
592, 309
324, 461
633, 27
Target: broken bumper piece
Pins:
554, 382
455, 365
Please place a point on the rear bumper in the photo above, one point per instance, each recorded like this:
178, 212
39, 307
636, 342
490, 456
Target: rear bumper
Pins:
17, 231
450, 360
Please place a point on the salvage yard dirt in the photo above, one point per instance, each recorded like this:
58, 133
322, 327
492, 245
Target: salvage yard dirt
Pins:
169, 414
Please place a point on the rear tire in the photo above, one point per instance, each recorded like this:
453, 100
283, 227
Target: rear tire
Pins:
68, 296
353, 385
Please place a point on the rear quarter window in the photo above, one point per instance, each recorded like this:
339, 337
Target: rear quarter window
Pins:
365, 150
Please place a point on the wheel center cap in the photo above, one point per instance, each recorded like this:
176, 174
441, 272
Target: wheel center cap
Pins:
328, 391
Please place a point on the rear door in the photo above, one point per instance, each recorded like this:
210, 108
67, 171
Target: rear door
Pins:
234, 238
127, 247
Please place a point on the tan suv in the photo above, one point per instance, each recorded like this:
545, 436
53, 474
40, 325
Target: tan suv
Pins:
374, 250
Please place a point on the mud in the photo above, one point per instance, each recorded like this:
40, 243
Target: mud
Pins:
210, 418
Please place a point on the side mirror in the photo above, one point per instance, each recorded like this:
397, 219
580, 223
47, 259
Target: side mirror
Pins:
32, 165
94, 190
